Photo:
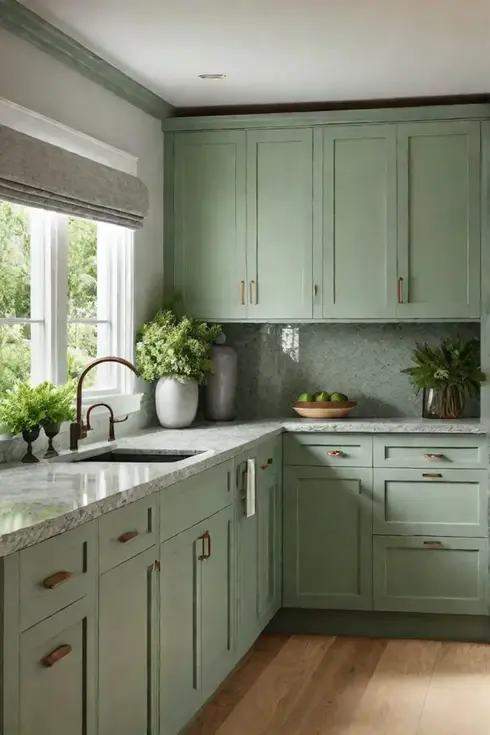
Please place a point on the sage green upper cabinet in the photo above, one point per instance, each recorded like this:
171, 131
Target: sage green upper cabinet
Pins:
355, 251
439, 220
209, 226
279, 223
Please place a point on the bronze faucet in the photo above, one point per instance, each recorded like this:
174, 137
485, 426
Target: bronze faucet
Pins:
78, 430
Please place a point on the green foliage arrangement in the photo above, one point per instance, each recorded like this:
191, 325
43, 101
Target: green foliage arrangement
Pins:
453, 364
169, 346
24, 407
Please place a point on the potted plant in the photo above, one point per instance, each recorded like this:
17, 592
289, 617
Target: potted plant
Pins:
22, 412
57, 402
176, 352
448, 375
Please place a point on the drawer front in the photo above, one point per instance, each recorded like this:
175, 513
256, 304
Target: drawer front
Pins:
188, 502
327, 450
431, 575
55, 573
430, 450
126, 532
441, 503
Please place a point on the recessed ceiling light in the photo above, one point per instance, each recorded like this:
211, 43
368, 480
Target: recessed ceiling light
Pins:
212, 76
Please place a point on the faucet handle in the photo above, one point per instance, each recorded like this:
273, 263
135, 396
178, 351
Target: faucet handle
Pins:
120, 421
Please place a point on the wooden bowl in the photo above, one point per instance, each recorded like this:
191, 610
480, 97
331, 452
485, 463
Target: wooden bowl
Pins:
324, 409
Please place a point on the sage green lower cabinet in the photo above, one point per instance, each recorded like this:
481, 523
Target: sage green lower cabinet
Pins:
327, 538
57, 674
127, 647
431, 574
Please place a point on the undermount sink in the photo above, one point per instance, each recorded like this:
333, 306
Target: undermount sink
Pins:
128, 455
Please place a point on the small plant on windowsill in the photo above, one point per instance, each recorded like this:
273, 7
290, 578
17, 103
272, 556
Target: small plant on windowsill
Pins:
448, 375
58, 405
175, 351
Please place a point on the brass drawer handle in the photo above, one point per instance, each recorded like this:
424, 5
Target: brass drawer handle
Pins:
434, 544
431, 474
335, 453
433, 456
252, 285
50, 583
242, 283
400, 290
206, 536
128, 536
52, 658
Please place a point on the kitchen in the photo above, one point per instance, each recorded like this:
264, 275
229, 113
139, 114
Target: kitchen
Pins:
360, 544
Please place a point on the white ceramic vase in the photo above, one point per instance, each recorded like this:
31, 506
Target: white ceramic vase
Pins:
176, 402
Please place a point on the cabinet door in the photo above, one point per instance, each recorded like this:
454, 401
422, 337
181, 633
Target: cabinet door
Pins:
327, 538
210, 223
57, 673
431, 574
218, 588
358, 258
279, 223
269, 519
439, 219
127, 647
180, 630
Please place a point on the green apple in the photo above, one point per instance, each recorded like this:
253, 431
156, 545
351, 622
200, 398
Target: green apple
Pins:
306, 398
322, 396
338, 397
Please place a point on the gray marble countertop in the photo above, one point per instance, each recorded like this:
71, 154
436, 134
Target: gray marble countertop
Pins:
44, 500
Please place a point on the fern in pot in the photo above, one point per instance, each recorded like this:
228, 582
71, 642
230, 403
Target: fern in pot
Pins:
175, 352
448, 375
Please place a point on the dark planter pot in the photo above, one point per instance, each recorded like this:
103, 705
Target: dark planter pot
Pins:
29, 437
51, 430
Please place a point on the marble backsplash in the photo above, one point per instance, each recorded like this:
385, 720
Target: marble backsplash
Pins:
277, 362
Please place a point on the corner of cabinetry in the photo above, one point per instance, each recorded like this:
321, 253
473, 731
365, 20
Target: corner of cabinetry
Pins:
9, 668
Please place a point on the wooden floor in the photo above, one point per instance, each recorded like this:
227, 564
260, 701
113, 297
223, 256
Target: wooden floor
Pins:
315, 685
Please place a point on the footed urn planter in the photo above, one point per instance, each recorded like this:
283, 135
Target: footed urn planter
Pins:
176, 402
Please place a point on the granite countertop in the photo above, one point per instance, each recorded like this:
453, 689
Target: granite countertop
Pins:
41, 501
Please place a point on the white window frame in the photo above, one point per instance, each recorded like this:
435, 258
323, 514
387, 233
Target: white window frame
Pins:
49, 256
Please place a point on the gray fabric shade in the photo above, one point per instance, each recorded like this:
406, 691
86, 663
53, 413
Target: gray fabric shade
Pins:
38, 174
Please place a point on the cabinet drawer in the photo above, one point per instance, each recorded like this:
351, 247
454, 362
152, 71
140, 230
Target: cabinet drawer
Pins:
430, 574
55, 573
444, 502
466, 452
328, 450
126, 532
188, 502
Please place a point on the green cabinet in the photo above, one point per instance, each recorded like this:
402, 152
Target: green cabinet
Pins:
355, 262
431, 574
279, 223
128, 647
209, 223
56, 674
196, 617
439, 195
327, 538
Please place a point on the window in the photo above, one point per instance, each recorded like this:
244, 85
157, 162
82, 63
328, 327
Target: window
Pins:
65, 298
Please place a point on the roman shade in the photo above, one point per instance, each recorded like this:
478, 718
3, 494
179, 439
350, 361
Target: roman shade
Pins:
38, 174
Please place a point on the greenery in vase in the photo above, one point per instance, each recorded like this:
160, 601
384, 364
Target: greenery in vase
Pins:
57, 402
24, 407
174, 347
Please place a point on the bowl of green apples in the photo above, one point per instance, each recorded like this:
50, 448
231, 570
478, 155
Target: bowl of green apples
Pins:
323, 405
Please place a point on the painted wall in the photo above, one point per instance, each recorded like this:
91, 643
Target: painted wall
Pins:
278, 362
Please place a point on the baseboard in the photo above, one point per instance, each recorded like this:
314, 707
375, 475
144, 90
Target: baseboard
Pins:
472, 628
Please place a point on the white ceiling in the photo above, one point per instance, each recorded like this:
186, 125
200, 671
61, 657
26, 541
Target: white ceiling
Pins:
286, 50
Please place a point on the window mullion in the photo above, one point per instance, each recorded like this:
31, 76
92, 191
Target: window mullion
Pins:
39, 246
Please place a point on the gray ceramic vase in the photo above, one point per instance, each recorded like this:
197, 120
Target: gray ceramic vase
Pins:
176, 402
220, 393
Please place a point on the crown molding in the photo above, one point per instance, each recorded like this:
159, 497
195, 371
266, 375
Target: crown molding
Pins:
26, 24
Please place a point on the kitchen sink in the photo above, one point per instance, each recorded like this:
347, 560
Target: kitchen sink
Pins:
128, 455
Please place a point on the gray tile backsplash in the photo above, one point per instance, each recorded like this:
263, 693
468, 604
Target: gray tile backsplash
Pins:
277, 362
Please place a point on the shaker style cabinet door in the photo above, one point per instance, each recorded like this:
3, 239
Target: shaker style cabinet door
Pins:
209, 214
355, 251
279, 223
439, 220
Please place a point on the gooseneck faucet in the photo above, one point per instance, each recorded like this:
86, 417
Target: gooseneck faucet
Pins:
78, 430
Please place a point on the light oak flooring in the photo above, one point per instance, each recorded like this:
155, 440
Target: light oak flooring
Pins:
319, 685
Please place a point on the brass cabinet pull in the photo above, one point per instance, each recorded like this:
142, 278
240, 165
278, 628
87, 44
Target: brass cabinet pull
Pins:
335, 453
252, 284
208, 538
315, 290
242, 283
400, 290
431, 474
433, 456
128, 536
50, 583
52, 658
203, 538
434, 544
